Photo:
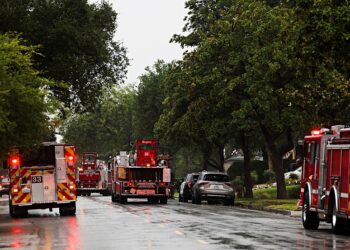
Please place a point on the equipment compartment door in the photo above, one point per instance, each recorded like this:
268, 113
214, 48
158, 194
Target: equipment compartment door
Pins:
49, 187
37, 188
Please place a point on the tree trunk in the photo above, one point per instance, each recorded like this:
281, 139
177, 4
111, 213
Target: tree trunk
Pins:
222, 159
277, 163
246, 168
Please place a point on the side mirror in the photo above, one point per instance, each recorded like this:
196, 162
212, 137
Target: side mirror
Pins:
299, 153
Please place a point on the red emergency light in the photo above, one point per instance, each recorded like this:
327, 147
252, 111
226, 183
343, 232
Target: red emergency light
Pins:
315, 132
14, 161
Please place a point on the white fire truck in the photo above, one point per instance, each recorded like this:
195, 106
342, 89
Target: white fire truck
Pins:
42, 177
325, 186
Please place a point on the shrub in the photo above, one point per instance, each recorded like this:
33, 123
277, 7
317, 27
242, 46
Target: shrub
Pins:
269, 175
254, 176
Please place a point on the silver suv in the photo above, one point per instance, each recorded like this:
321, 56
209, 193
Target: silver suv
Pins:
213, 187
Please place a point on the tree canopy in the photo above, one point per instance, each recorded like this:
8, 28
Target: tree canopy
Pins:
77, 46
24, 103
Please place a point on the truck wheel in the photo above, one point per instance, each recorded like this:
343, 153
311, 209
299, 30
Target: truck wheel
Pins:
123, 200
72, 210
113, 198
309, 218
163, 200
337, 223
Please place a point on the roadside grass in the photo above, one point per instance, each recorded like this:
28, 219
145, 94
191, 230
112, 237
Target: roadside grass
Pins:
266, 198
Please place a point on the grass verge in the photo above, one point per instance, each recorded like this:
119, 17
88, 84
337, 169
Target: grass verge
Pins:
266, 198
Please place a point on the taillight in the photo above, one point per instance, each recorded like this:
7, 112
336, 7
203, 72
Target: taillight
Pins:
70, 155
71, 187
190, 184
15, 190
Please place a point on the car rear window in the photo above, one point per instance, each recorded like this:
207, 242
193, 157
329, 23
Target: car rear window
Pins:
195, 177
216, 177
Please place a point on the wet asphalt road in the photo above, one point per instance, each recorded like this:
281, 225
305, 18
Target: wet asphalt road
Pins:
100, 224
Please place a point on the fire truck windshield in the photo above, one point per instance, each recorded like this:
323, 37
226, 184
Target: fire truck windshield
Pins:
89, 159
146, 146
42, 156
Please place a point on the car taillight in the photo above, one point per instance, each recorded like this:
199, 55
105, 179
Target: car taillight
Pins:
190, 184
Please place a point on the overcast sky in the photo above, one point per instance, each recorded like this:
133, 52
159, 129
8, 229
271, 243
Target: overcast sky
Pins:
145, 27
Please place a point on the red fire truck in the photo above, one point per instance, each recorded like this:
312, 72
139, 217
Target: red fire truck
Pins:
42, 177
147, 177
325, 185
92, 175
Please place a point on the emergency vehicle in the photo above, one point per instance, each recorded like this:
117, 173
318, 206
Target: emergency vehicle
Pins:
148, 176
42, 177
325, 185
92, 175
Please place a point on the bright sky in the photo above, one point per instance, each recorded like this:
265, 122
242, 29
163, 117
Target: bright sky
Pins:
145, 27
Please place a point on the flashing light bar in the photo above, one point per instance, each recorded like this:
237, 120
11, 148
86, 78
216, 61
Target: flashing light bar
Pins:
315, 132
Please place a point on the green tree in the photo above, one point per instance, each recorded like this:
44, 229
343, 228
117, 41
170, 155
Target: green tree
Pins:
149, 97
24, 103
108, 130
76, 45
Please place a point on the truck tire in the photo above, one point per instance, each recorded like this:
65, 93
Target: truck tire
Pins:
68, 210
309, 218
123, 199
17, 212
163, 200
337, 223
113, 198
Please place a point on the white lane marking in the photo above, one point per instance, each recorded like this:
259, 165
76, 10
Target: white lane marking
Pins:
178, 232
202, 242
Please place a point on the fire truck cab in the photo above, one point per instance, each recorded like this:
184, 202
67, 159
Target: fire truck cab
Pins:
42, 177
325, 186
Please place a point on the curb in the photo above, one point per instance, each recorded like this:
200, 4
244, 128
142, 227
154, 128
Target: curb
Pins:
271, 210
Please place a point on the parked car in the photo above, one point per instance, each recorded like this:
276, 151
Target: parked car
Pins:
213, 187
4, 185
297, 172
185, 192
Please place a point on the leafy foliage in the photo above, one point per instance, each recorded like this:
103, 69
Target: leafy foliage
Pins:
106, 131
23, 106
76, 45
